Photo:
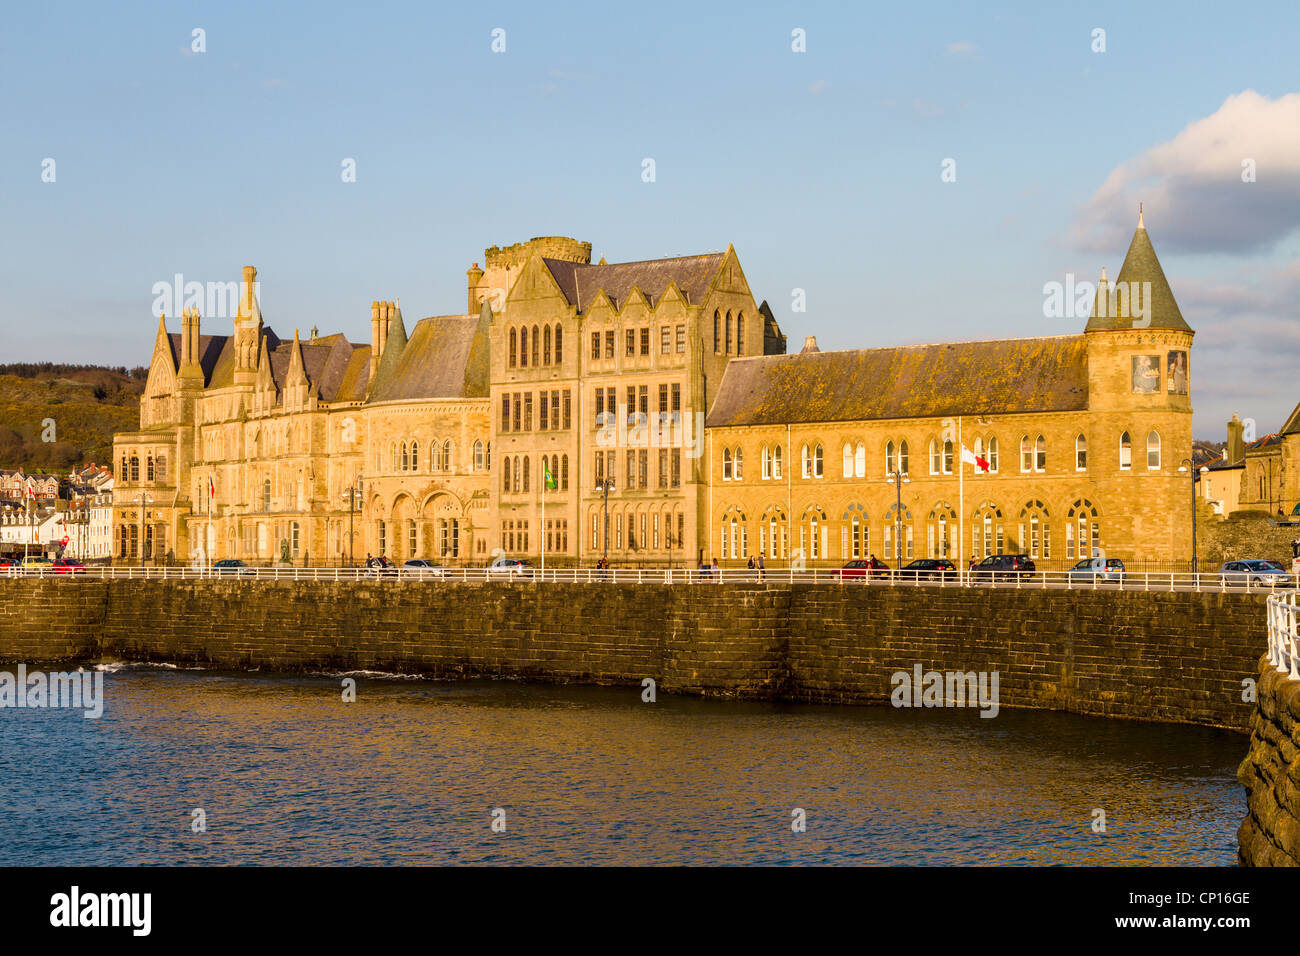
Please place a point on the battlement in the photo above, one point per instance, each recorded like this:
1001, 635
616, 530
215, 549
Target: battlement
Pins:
551, 247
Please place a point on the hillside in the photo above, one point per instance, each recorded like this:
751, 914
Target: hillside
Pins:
87, 404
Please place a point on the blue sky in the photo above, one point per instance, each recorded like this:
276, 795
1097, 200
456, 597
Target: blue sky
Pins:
822, 167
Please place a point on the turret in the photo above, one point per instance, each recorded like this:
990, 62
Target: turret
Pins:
191, 371
248, 330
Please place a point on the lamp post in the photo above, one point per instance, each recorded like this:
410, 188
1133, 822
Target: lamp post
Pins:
351, 495
898, 479
1188, 466
144, 500
605, 484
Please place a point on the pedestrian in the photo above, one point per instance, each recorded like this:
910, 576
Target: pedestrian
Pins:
716, 571
704, 569
753, 568
761, 575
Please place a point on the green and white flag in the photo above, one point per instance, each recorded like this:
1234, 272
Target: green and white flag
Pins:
547, 477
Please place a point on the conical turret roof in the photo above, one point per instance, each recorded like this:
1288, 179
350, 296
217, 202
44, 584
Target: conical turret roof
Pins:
1120, 312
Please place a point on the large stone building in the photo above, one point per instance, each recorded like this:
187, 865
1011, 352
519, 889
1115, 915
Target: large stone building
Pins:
437, 442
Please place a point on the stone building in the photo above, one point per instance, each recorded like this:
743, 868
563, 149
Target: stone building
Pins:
438, 441
1083, 437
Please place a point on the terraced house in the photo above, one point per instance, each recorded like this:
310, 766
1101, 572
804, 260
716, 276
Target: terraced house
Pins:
648, 410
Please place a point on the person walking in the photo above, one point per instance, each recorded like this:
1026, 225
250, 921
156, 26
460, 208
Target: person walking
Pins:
753, 568
716, 571
761, 575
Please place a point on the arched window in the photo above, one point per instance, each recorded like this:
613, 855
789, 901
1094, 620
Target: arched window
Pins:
1082, 530
728, 348
535, 345
726, 464
717, 319
767, 463
993, 455
1035, 530
1125, 452
936, 465
817, 461
393, 454
855, 534
487, 455
986, 530
505, 476
526, 461
772, 533
740, 333
806, 455
860, 461
406, 458
848, 460
891, 458
941, 531
412, 550
266, 495
514, 345
546, 345
902, 457
776, 462
448, 464
148, 468
478, 455
1081, 453
812, 533
738, 463
516, 484
1040, 454
1153, 450
135, 468
160, 467
523, 347
1026, 454
947, 456
898, 533
564, 473
559, 343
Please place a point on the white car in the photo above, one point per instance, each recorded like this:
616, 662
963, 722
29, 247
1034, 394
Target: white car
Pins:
422, 568
1256, 573
1099, 569
509, 568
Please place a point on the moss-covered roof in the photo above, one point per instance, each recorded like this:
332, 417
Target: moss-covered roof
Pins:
915, 381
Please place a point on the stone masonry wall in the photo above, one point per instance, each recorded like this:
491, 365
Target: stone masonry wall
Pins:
1157, 656
1270, 834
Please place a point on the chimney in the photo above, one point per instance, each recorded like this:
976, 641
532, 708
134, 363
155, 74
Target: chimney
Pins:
809, 344
375, 344
1236, 449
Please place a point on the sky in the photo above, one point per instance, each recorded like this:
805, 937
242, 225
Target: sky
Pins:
133, 149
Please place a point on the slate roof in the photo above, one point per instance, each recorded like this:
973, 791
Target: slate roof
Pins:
434, 363
1140, 265
580, 282
998, 377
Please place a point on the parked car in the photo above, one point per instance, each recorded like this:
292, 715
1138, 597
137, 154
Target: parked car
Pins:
7, 562
929, 569
36, 563
380, 567
1100, 569
231, 567
1004, 567
863, 568
509, 568
69, 566
1257, 573
423, 568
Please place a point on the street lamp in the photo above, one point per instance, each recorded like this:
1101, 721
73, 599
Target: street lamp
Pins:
606, 485
1188, 466
352, 495
898, 479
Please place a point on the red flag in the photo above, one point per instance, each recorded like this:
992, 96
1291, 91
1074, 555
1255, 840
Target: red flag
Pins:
212, 490
968, 457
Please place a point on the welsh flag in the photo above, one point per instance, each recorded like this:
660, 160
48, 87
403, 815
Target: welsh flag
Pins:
547, 477
968, 457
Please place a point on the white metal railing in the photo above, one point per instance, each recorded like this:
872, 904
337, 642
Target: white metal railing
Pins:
1065, 580
1283, 638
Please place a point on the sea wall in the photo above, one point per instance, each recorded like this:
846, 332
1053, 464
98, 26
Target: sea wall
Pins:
1176, 657
1270, 834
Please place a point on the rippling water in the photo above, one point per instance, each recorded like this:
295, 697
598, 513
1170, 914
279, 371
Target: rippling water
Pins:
288, 774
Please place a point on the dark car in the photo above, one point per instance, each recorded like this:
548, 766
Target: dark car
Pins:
1003, 567
928, 569
230, 567
68, 566
8, 562
863, 568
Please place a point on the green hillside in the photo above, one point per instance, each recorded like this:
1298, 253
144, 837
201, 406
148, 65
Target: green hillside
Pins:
87, 404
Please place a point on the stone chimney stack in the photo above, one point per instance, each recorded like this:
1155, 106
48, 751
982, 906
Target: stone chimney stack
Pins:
475, 275
375, 342
1236, 449
810, 344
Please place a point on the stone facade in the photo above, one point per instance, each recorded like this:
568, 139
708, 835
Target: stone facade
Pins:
1270, 834
436, 444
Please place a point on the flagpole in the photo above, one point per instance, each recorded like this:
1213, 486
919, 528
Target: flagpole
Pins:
541, 531
207, 541
961, 507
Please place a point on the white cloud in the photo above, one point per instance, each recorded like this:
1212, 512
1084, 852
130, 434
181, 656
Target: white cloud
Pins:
961, 48
1192, 188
